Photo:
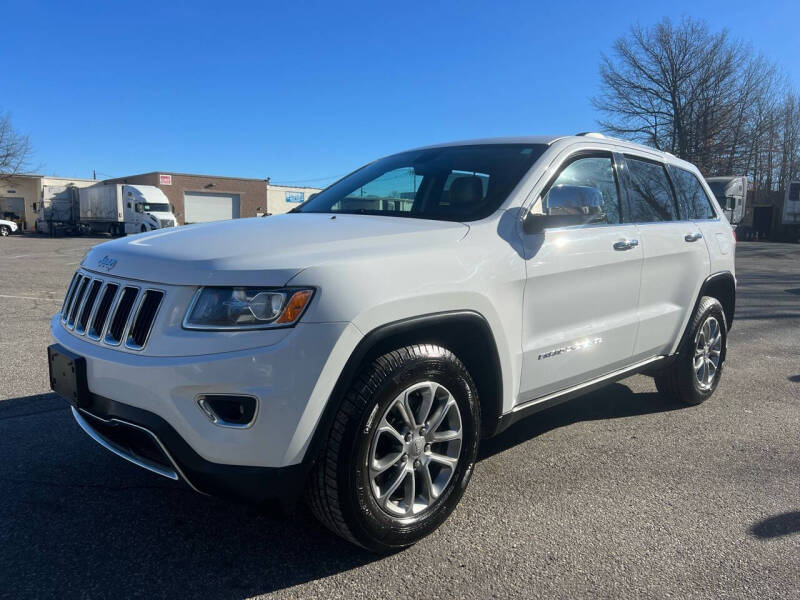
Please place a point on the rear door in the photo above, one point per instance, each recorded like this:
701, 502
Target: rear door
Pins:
695, 204
675, 256
582, 286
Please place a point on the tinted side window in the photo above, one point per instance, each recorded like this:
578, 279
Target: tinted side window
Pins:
651, 194
595, 172
694, 200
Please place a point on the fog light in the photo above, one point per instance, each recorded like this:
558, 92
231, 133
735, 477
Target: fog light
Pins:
228, 410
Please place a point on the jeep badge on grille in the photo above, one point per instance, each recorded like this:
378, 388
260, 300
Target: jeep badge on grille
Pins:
106, 263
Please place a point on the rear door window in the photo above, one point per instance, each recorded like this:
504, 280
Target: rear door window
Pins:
651, 197
693, 198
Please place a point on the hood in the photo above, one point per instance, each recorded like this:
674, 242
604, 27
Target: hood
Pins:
262, 251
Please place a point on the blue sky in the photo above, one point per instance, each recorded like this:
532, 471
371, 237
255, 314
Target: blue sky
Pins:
306, 91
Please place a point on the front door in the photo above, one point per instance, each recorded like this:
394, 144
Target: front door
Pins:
582, 287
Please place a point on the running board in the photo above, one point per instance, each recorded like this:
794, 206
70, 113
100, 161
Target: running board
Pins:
537, 404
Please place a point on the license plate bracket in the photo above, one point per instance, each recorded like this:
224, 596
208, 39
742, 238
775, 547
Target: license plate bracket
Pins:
68, 375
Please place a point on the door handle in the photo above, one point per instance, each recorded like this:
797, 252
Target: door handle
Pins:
626, 244
693, 237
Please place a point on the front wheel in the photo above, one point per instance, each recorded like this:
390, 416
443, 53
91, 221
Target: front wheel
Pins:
4, 230
697, 369
401, 450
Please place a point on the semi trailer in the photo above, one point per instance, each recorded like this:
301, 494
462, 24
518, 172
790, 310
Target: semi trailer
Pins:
117, 209
790, 217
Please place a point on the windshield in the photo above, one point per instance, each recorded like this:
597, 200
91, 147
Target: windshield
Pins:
454, 183
718, 187
156, 207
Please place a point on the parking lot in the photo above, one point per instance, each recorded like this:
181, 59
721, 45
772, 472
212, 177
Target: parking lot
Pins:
617, 494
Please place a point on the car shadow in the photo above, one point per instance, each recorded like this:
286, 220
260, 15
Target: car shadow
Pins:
77, 520
611, 402
777, 526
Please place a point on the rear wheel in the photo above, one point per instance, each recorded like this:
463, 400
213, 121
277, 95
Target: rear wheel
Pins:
696, 372
401, 449
4, 230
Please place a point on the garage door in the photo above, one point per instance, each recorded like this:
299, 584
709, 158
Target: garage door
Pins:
202, 208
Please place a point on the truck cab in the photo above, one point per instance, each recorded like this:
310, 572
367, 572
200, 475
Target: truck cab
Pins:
156, 204
731, 193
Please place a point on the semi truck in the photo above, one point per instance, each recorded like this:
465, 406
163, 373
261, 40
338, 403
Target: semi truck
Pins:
117, 209
731, 193
790, 217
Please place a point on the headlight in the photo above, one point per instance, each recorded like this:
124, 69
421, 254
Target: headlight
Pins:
246, 307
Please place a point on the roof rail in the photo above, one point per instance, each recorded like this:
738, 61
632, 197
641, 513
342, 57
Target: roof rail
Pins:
593, 134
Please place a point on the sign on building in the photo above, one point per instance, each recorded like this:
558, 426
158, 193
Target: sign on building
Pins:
297, 197
165, 179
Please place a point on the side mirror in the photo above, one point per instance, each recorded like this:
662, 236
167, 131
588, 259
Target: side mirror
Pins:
35, 207
172, 208
567, 205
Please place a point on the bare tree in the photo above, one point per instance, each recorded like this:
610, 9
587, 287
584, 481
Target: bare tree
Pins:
15, 149
704, 97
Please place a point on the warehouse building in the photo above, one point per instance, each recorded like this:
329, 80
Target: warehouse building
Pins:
283, 198
20, 194
204, 198
193, 198
764, 217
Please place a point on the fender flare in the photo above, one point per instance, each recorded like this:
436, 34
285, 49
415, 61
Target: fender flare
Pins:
387, 337
720, 278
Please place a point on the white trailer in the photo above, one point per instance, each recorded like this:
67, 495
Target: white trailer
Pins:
118, 208
791, 205
790, 217
57, 210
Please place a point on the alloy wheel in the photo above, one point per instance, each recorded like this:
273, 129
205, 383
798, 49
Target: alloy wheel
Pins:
707, 352
415, 449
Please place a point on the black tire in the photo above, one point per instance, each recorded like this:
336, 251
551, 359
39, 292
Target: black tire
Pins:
340, 492
4, 230
144, 229
679, 380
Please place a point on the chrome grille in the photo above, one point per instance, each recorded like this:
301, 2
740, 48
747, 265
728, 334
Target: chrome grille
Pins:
143, 321
77, 301
103, 307
110, 312
120, 318
88, 304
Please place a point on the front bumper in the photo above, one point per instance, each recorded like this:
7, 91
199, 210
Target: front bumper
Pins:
151, 443
292, 380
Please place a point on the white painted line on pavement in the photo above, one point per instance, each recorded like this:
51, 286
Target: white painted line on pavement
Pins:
30, 298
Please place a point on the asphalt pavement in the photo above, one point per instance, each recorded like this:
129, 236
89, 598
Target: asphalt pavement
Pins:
617, 494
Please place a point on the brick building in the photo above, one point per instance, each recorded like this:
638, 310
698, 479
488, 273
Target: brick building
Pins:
202, 198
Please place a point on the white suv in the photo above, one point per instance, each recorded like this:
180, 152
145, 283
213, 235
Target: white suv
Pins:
358, 349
